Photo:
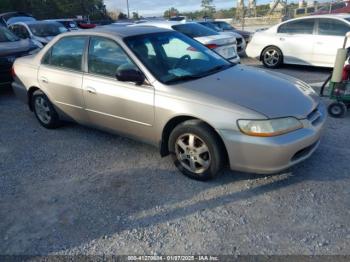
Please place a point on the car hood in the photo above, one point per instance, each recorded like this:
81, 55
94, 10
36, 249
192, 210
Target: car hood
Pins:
271, 94
45, 39
13, 48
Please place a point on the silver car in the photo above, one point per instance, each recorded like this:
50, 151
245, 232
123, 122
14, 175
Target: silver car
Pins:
166, 89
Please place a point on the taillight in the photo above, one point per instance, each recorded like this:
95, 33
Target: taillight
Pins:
211, 46
13, 73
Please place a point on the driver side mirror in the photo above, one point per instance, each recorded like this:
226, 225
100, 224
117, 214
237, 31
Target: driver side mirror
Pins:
130, 75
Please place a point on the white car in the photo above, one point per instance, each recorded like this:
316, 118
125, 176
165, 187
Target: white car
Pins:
224, 45
41, 32
311, 40
241, 43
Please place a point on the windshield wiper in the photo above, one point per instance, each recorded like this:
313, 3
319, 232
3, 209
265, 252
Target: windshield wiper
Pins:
216, 69
183, 78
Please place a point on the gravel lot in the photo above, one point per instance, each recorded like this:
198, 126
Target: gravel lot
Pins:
75, 190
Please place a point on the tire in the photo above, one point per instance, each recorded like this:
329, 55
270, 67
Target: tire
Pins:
44, 110
337, 109
272, 57
206, 153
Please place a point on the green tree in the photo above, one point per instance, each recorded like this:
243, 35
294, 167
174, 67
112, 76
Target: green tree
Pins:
208, 8
135, 15
122, 16
45, 9
171, 12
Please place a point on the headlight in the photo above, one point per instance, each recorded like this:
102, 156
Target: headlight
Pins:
269, 127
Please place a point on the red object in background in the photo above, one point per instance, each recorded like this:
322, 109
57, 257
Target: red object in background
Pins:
336, 8
86, 26
346, 73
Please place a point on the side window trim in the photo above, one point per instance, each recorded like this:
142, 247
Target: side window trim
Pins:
337, 20
66, 68
86, 66
289, 22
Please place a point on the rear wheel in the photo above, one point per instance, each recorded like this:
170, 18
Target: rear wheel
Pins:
44, 110
272, 57
337, 109
196, 150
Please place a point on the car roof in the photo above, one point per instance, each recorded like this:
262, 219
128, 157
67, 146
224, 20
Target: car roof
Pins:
163, 24
121, 32
8, 15
35, 22
339, 16
342, 15
60, 20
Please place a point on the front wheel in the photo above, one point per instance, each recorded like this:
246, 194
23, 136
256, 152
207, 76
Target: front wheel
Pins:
196, 150
337, 109
272, 57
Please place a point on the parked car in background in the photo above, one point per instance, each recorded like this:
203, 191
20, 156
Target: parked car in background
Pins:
226, 27
9, 18
189, 102
83, 24
241, 45
70, 24
224, 45
311, 40
39, 31
12, 47
342, 7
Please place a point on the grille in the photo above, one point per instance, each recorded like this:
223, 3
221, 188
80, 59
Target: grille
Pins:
304, 152
315, 116
239, 41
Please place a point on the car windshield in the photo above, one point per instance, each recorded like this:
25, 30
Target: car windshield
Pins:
211, 26
47, 29
224, 26
194, 30
172, 57
7, 36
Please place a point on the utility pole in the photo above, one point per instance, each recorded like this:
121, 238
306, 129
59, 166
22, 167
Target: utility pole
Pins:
127, 6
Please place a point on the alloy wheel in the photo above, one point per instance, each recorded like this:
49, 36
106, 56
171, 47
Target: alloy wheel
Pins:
271, 57
193, 153
42, 110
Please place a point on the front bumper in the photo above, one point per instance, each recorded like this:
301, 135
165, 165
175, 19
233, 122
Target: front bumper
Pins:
266, 155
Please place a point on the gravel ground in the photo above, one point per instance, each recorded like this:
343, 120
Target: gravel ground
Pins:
76, 190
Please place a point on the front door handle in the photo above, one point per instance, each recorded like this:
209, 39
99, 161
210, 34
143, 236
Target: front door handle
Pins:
44, 80
282, 38
91, 90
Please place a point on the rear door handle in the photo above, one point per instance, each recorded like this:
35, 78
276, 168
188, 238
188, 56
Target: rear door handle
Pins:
319, 43
282, 38
44, 80
91, 90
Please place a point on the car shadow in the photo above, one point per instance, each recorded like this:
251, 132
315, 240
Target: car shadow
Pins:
67, 187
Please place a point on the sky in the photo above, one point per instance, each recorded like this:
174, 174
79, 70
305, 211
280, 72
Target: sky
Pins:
157, 7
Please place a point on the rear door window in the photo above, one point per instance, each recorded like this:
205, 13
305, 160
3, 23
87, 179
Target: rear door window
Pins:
67, 53
304, 26
332, 27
